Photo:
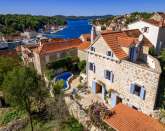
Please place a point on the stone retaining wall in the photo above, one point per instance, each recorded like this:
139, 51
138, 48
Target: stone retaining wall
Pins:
76, 111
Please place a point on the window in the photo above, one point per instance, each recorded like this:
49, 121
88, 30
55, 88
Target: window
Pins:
108, 75
93, 49
109, 53
134, 107
92, 67
145, 29
138, 91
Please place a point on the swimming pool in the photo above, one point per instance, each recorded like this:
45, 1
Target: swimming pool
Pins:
64, 76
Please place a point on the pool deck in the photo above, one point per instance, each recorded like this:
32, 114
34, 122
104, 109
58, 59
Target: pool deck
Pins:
87, 98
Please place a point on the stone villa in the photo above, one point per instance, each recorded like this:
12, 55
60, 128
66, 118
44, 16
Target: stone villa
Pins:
120, 70
47, 51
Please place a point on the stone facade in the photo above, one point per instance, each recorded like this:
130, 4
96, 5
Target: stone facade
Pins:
125, 73
40, 61
82, 54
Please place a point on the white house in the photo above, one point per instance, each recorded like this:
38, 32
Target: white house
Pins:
153, 30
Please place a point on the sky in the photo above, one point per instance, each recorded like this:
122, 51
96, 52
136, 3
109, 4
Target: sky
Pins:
79, 7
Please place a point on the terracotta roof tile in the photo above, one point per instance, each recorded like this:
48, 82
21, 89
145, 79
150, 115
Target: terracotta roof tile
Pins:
126, 41
50, 47
116, 40
112, 41
156, 23
128, 119
87, 37
84, 45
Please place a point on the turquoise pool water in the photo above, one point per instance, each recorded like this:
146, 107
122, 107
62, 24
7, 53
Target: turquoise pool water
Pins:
65, 77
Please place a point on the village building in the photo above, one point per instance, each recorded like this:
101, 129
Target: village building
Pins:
158, 16
50, 50
120, 70
153, 30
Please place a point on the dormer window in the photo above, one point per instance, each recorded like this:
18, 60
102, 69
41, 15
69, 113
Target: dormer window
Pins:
93, 49
145, 29
109, 53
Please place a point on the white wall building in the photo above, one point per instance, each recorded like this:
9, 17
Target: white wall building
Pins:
153, 30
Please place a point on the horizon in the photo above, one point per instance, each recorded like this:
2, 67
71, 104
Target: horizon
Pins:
79, 7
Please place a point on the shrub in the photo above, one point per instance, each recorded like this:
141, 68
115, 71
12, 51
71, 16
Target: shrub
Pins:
71, 125
58, 86
97, 113
67, 62
49, 73
10, 115
79, 86
152, 51
82, 65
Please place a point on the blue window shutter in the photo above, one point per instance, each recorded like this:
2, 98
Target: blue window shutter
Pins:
142, 93
113, 100
94, 87
135, 53
131, 50
132, 88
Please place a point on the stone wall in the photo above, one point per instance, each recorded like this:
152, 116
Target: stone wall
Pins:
40, 61
126, 73
78, 113
82, 54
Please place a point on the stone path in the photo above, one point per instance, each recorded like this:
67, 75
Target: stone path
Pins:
75, 82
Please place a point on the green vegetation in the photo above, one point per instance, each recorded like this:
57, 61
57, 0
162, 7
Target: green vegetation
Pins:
6, 64
152, 51
22, 89
82, 65
10, 24
70, 125
66, 62
133, 17
161, 91
11, 115
57, 86
138, 15
29, 101
49, 73
98, 112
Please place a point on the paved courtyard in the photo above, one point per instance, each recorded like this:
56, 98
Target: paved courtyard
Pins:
86, 97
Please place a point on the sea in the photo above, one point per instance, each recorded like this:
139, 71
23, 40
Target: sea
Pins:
73, 29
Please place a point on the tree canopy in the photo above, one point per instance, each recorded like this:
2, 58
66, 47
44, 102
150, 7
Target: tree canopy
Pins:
22, 89
6, 64
10, 24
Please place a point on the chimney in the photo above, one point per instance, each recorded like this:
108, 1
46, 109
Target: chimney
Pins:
92, 34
